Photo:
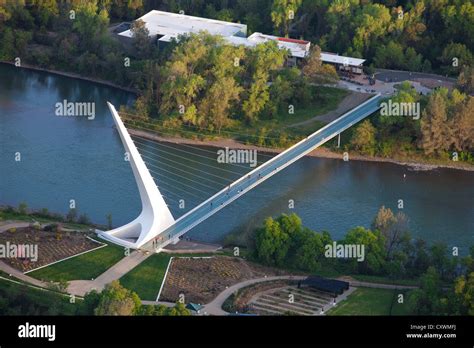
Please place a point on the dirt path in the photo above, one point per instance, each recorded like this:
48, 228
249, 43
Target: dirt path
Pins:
348, 103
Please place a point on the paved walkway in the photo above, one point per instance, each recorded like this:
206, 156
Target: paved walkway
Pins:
157, 303
7, 225
185, 246
358, 283
82, 287
348, 103
19, 275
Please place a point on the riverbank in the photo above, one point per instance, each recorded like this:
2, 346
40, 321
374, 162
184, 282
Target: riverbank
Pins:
74, 76
319, 152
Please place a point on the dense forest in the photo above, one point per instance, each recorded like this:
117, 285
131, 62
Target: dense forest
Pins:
200, 86
412, 35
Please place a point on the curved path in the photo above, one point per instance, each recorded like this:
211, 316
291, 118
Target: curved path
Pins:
215, 306
13, 224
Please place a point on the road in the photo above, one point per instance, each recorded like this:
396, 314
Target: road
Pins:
265, 171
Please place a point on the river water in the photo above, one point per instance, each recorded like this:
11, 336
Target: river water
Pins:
74, 158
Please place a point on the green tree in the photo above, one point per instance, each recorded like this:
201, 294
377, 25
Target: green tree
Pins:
7, 48
71, 215
429, 298
389, 56
413, 61
316, 71
263, 59
109, 221
44, 11
466, 79
363, 139
393, 227
4, 12
371, 23
23, 208
22, 39
271, 243
455, 56
309, 251
141, 40
464, 292
283, 12
435, 137
116, 300
462, 125
374, 249
90, 23
182, 79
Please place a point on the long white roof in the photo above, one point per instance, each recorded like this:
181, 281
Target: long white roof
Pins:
174, 24
170, 25
343, 60
297, 48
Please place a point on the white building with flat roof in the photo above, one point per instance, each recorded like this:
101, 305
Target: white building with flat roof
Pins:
165, 26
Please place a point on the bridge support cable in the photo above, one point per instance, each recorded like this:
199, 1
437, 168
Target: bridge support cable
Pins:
159, 159
194, 146
188, 159
200, 131
192, 187
191, 153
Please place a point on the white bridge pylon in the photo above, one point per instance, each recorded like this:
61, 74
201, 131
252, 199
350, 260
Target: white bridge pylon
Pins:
155, 216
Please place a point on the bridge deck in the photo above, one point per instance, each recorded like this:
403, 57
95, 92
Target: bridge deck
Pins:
265, 171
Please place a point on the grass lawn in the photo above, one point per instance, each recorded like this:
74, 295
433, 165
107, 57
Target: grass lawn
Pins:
85, 266
371, 301
146, 278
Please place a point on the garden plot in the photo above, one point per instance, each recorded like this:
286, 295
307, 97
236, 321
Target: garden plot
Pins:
51, 246
200, 280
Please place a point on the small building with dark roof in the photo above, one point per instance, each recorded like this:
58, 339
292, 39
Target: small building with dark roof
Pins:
332, 286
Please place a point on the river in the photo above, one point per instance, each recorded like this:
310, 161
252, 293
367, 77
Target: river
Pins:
73, 158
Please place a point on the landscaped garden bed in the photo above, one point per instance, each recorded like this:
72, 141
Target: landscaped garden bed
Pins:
51, 246
202, 279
